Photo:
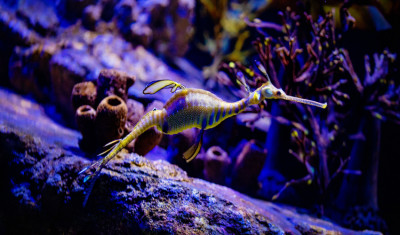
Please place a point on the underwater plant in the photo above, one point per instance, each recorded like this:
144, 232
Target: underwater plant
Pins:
315, 71
376, 100
306, 59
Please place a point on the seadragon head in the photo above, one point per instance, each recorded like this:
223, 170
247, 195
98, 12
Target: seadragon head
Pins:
269, 91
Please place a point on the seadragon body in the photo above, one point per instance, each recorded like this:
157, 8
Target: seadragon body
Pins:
192, 108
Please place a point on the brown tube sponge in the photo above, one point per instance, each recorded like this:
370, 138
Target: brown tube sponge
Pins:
84, 93
150, 138
110, 119
216, 165
248, 166
85, 117
113, 82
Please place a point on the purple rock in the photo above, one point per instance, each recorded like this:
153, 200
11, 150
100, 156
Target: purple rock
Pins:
44, 194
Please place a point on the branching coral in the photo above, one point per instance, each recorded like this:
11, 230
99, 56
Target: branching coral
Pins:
379, 92
315, 71
306, 60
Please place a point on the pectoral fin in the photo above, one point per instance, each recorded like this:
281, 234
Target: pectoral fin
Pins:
156, 86
192, 152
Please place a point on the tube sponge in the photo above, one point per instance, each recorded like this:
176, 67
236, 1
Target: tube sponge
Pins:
85, 117
247, 168
110, 119
216, 165
113, 82
84, 93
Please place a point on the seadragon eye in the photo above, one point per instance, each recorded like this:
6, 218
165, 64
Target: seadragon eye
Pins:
267, 92
279, 93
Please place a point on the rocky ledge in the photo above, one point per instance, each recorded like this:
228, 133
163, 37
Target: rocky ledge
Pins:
41, 192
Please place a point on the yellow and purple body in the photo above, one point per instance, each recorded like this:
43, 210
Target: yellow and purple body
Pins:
189, 108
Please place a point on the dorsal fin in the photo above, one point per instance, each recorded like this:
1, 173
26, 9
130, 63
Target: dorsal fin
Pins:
242, 81
156, 86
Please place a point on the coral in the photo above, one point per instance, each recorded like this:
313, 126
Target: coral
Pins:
110, 119
312, 66
85, 118
378, 97
150, 138
306, 59
84, 93
113, 82
216, 163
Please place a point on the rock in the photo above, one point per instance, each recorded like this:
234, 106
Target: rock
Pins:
46, 22
171, 31
15, 32
147, 68
66, 71
165, 26
42, 193
27, 70
51, 65
72, 9
20, 113
18, 33
141, 33
126, 12
91, 15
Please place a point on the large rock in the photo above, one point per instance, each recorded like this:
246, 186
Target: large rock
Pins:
42, 193
16, 31
47, 55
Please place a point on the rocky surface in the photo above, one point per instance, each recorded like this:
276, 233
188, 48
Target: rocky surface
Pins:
46, 54
42, 193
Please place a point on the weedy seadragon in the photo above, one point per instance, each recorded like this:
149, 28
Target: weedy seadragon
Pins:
189, 108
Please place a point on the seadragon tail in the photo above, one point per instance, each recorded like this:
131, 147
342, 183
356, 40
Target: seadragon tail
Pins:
152, 118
